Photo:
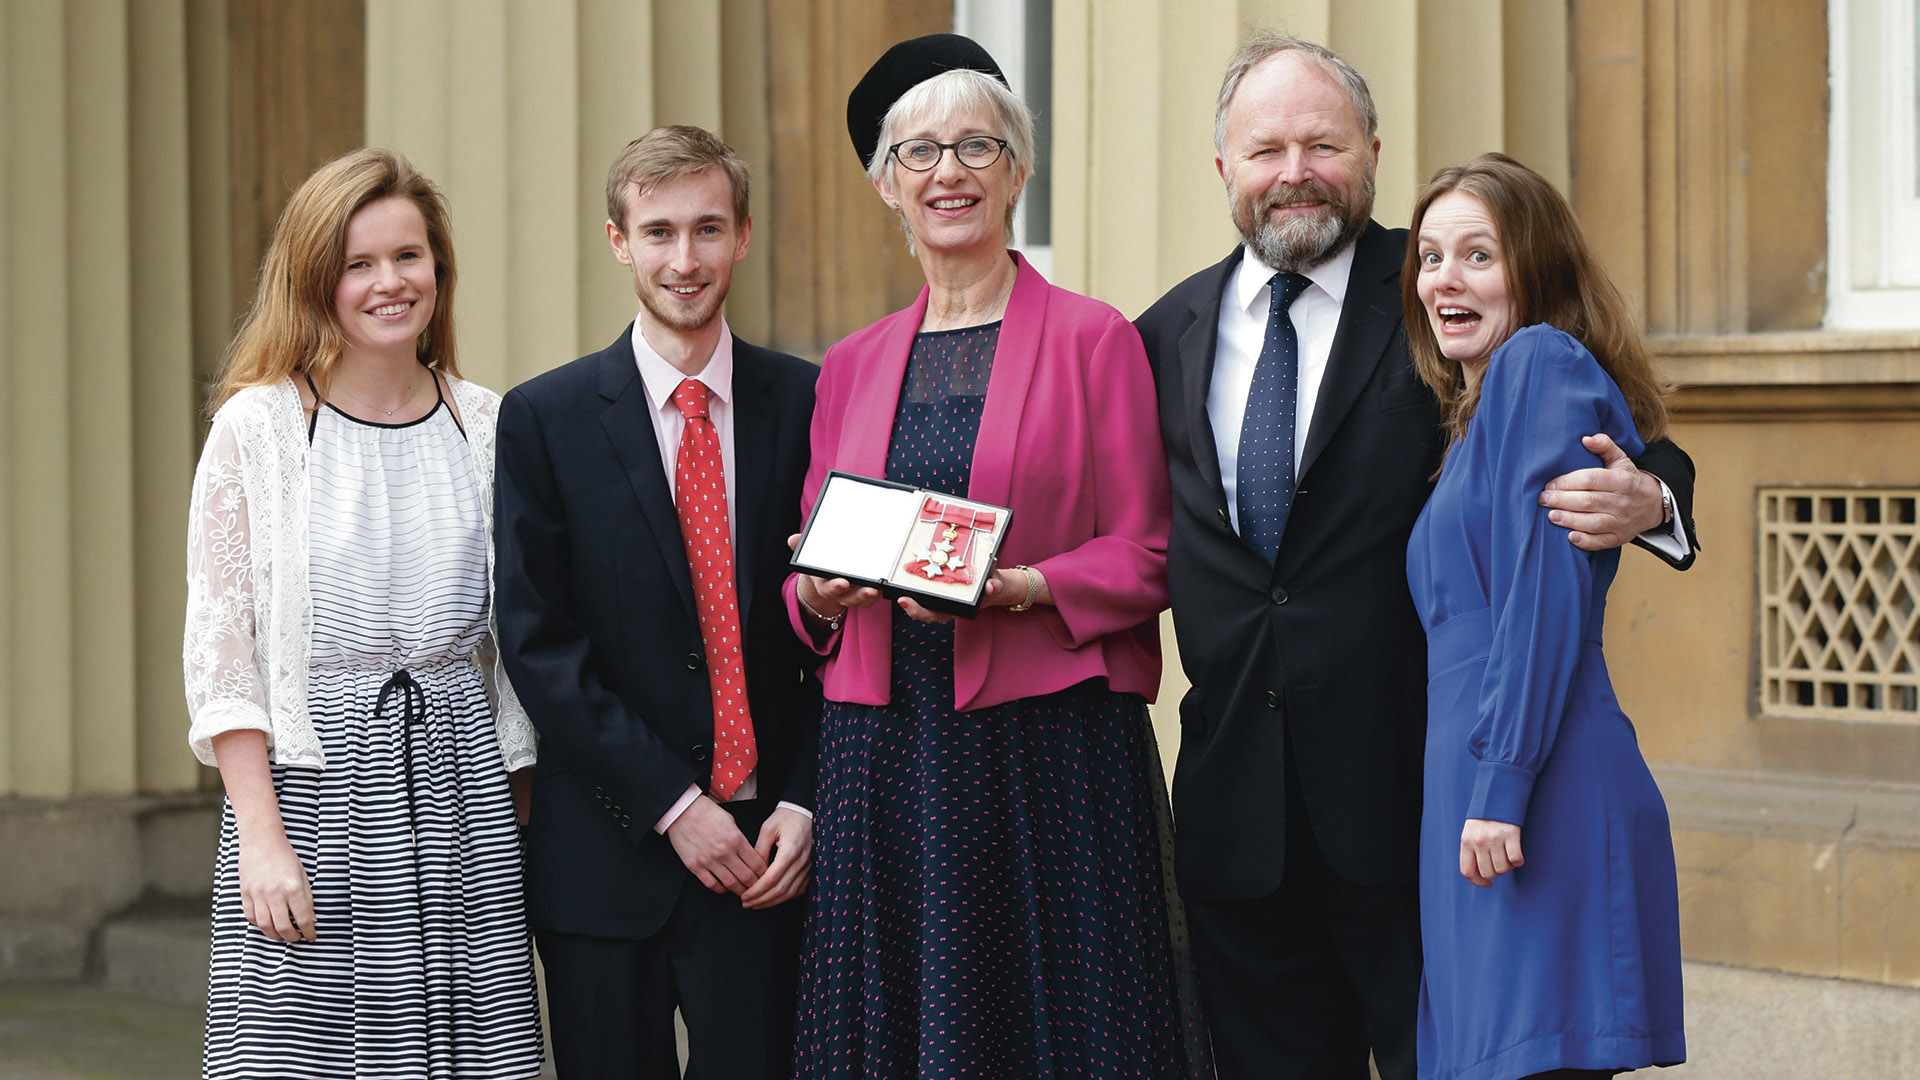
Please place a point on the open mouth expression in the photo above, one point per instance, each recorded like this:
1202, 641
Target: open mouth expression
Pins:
1463, 279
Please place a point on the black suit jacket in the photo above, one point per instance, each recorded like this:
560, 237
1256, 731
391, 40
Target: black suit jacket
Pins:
1321, 655
598, 632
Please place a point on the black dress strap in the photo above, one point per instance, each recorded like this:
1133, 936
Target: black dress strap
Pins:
442, 400
313, 419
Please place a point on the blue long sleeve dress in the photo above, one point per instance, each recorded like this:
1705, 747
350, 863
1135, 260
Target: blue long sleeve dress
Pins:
1572, 960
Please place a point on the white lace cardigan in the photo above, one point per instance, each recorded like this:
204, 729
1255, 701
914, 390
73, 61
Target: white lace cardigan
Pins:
249, 611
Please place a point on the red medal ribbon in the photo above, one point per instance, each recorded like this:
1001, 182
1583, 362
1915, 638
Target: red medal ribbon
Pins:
962, 522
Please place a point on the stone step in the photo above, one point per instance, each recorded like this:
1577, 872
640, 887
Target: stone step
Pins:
41, 950
68, 866
157, 953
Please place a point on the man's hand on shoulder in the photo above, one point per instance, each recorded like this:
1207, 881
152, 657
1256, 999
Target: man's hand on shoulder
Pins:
711, 845
1604, 507
786, 842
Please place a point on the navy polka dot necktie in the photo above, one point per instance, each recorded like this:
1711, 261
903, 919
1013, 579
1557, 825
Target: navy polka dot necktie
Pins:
1263, 481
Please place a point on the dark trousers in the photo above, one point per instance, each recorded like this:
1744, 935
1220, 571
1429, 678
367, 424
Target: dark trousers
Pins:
730, 971
1300, 984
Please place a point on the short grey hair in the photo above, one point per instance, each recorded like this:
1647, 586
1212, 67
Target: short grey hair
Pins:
950, 93
1261, 46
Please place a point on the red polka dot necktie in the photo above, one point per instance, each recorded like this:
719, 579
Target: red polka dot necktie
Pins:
700, 496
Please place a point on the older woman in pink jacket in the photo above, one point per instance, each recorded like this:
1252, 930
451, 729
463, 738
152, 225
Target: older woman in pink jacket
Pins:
989, 895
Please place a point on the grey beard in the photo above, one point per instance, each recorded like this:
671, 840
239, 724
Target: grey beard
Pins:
1297, 246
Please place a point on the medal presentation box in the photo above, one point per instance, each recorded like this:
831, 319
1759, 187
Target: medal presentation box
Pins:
904, 541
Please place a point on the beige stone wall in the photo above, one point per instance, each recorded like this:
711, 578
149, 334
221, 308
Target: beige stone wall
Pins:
1138, 203
500, 108
96, 399
1798, 840
1799, 410
516, 108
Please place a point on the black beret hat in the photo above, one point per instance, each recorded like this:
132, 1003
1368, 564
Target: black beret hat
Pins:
899, 70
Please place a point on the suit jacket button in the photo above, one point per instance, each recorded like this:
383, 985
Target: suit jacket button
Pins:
600, 793
626, 822
1224, 518
694, 663
1279, 595
1273, 699
700, 752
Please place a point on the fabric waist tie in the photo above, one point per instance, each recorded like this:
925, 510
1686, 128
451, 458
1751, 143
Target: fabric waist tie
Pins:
1464, 637
413, 716
1469, 636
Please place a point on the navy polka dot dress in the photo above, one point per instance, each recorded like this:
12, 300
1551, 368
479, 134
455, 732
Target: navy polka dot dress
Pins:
988, 892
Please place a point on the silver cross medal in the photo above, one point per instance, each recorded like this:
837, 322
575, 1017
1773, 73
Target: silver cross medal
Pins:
938, 556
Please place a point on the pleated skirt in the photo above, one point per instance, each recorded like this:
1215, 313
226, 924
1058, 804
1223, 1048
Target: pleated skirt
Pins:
423, 966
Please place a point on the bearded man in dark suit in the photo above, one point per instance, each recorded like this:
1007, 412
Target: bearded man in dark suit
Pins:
1302, 446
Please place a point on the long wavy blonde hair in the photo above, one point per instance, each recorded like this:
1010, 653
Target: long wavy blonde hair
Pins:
1553, 277
291, 328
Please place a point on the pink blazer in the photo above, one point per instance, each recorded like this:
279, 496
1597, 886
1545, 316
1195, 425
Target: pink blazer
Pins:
1070, 439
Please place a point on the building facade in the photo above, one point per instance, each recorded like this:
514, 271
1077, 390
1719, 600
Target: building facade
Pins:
1748, 168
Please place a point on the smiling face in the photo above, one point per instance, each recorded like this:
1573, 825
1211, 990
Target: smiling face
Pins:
1297, 162
681, 243
1463, 285
950, 207
387, 288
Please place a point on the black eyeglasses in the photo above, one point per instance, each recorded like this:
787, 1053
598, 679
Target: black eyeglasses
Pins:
974, 151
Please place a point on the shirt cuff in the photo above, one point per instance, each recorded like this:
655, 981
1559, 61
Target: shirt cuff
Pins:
679, 807
796, 808
1501, 792
1668, 538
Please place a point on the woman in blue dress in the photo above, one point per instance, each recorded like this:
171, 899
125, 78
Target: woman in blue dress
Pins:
1547, 899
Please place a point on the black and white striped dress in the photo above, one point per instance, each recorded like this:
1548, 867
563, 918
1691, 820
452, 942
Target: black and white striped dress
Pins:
423, 967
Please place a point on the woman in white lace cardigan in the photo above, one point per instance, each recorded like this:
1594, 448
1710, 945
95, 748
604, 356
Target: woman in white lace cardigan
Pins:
340, 668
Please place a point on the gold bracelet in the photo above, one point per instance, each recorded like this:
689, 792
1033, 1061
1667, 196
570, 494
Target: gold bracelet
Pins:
833, 623
1033, 587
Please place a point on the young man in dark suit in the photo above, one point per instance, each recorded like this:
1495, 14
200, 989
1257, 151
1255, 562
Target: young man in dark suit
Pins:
1301, 446
645, 495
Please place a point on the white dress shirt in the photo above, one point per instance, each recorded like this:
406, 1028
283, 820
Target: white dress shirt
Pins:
661, 379
1316, 317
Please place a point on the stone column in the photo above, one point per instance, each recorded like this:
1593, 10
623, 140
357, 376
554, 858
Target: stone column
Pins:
1138, 202
98, 396
516, 108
